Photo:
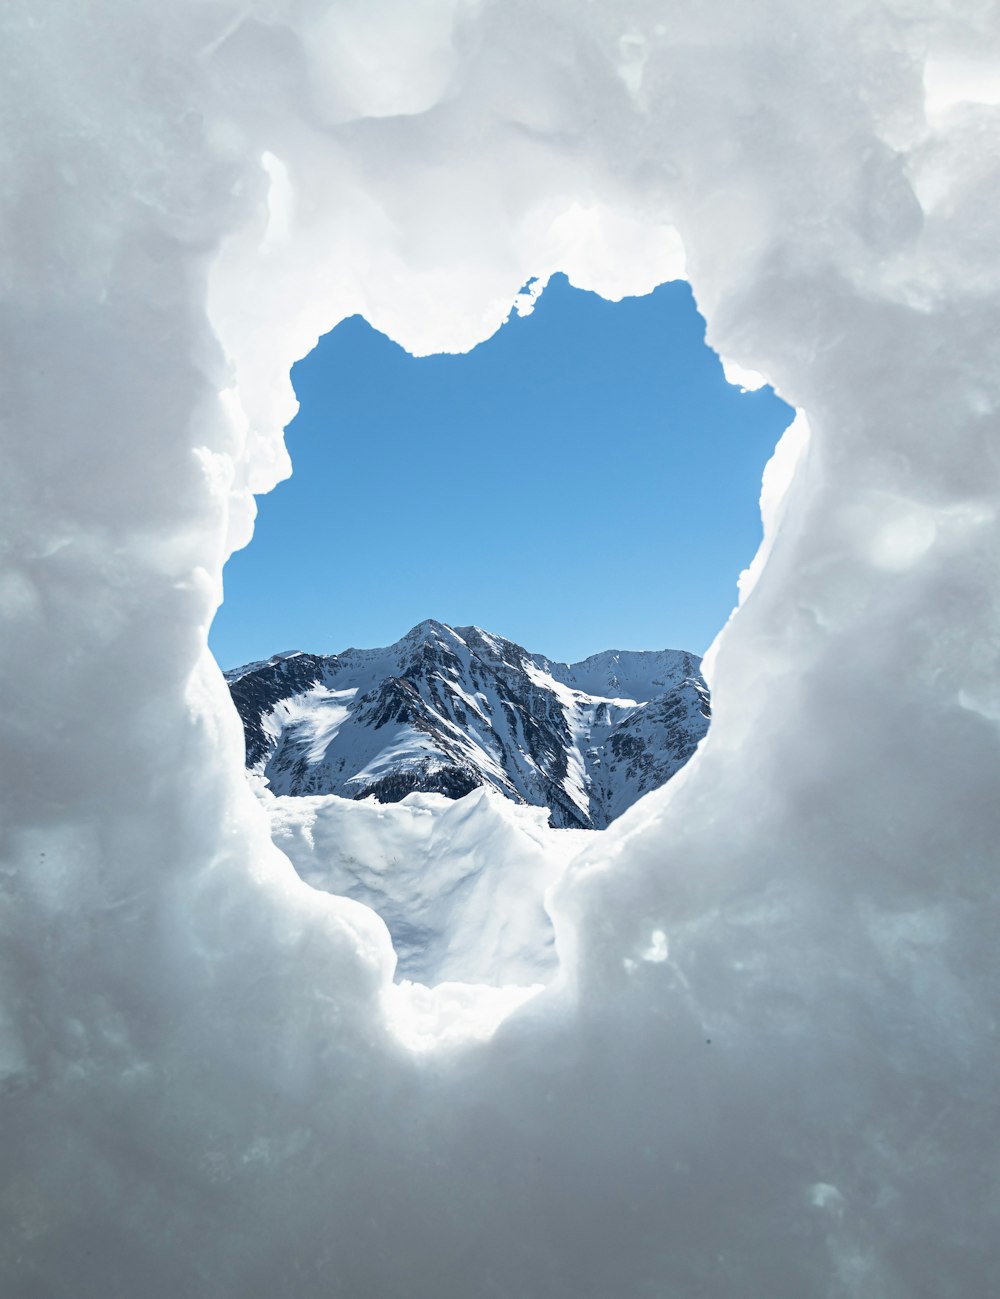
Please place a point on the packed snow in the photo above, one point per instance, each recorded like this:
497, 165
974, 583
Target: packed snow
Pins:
766, 1064
459, 883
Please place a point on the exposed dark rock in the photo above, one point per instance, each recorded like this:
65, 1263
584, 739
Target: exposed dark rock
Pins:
446, 710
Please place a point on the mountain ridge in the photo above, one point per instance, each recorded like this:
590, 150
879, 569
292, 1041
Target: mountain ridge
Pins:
448, 709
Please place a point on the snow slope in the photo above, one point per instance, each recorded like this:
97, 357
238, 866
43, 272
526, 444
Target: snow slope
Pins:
459, 882
446, 710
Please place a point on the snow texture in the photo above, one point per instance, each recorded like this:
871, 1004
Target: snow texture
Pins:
459, 883
767, 1065
445, 710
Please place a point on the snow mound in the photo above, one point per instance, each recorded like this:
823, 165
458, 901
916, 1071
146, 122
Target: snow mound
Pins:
459, 883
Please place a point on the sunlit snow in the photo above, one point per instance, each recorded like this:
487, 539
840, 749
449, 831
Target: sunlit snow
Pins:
460, 884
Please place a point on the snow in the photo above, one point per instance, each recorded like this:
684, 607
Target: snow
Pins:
460, 884
450, 1014
315, 718
209, 1085
624, 677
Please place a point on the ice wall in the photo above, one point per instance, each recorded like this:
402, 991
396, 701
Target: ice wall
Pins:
769, 1067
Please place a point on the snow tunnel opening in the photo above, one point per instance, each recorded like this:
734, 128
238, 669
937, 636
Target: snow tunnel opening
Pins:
560, 468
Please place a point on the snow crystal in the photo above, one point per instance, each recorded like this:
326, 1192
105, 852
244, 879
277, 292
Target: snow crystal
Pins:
211, 1086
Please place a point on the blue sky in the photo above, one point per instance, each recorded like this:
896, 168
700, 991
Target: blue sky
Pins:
584, 480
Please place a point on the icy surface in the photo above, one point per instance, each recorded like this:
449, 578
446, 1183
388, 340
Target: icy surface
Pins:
768, 1063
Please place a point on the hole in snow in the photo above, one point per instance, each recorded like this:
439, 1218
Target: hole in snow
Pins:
586, 479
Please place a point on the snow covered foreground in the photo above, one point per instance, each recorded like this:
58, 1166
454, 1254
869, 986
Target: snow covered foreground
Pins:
767, 1064
459, 883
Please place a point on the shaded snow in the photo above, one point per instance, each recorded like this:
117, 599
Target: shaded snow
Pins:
208, 1081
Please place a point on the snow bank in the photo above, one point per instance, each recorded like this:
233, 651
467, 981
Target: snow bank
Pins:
459, 883
768, 1065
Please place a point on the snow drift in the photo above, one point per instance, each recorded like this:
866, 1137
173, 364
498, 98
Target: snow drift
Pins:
459, 883
768, 1064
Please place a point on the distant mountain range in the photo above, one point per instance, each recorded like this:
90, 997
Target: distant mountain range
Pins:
448, 709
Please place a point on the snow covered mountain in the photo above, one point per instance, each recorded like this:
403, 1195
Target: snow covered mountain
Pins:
448, 709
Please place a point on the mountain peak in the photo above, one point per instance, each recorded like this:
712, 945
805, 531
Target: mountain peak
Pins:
428, 627
444, 710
